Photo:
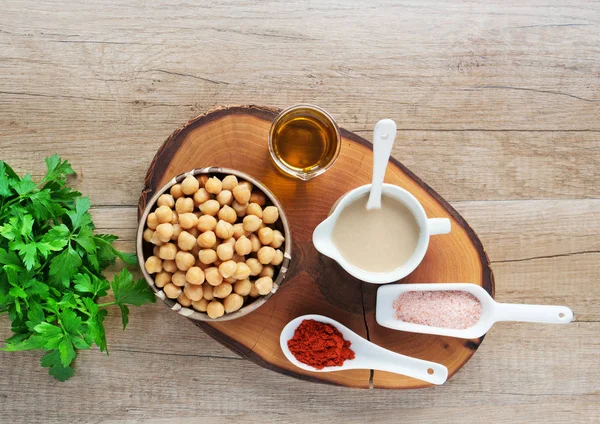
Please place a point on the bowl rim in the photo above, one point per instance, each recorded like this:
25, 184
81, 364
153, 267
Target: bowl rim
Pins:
192, 313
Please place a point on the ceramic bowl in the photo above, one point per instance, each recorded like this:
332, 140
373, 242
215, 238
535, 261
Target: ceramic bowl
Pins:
144, 249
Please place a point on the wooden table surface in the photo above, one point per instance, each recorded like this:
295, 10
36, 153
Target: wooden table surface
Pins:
498, 109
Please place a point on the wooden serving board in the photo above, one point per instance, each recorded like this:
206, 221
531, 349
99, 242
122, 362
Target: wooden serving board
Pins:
236, 137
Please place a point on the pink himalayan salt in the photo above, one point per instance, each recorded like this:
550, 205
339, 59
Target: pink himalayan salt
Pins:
442, 309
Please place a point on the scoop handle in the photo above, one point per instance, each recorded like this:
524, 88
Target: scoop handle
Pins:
384, 135
546, 314
385, 360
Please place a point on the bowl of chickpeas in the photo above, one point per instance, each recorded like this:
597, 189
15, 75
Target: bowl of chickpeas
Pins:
214, 244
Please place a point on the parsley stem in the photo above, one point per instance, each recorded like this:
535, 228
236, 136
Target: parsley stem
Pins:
102, 305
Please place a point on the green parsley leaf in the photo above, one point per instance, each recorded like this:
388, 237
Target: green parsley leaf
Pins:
80, 216
126, 291
57, 170
52, 360
64, 266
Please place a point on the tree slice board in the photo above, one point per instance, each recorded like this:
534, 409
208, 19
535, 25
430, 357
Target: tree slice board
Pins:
236, 137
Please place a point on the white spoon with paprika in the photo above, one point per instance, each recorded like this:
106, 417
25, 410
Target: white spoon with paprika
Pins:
367, 355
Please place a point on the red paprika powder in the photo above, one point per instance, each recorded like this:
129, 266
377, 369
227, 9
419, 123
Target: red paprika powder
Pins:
319, 345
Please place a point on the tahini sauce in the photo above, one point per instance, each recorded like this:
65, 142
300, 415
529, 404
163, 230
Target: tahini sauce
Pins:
378, 240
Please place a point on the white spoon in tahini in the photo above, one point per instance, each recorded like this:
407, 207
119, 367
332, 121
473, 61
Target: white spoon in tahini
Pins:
367, 355
384, 135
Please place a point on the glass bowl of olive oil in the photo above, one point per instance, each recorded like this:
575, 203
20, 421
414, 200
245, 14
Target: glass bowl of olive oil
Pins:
304, 141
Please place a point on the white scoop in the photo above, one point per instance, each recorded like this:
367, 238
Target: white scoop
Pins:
491, 311
368, 355
384, 135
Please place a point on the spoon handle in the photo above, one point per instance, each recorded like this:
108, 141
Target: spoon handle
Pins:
384, 135
385, 360
545, 314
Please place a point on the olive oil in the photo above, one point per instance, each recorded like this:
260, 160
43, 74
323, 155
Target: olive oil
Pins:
304, 141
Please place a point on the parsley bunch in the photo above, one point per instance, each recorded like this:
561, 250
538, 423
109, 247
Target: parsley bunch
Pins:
51, 265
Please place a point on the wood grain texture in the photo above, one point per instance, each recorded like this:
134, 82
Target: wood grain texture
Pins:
498, 109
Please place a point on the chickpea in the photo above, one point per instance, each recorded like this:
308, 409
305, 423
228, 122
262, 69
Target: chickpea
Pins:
176, 191
265, 235
246, 184
253, 291
156, 239
230, 280
278, 239
184, 300
186, 241
225, 197
184, 260
163, 214
230, 240
265, 255
166, 200
233, 302
227, 268
264, 285
229, 182
193, 291
222, 290
184, 205
255, 243
254, 209
188, 220
156, 251
241, 194
162, 278
167, 251
201, 196
251, 223
238, 231
270, 215
175, 219
152, 221
215, 309
210, 207
225, 251
200, 305
213, 276
254, 265
267, 271
243, 246
147, 235
242, 272
172, 291
239, 208
213, 185
178, 278
176, 231
242, 287
228, 214
194, 232
278, 259
208, 291
224, 229
202, 179
207, 256
153, 264
194, 275
169, 266
190, 185
164, 231
258, 197
206, 223
207, 239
